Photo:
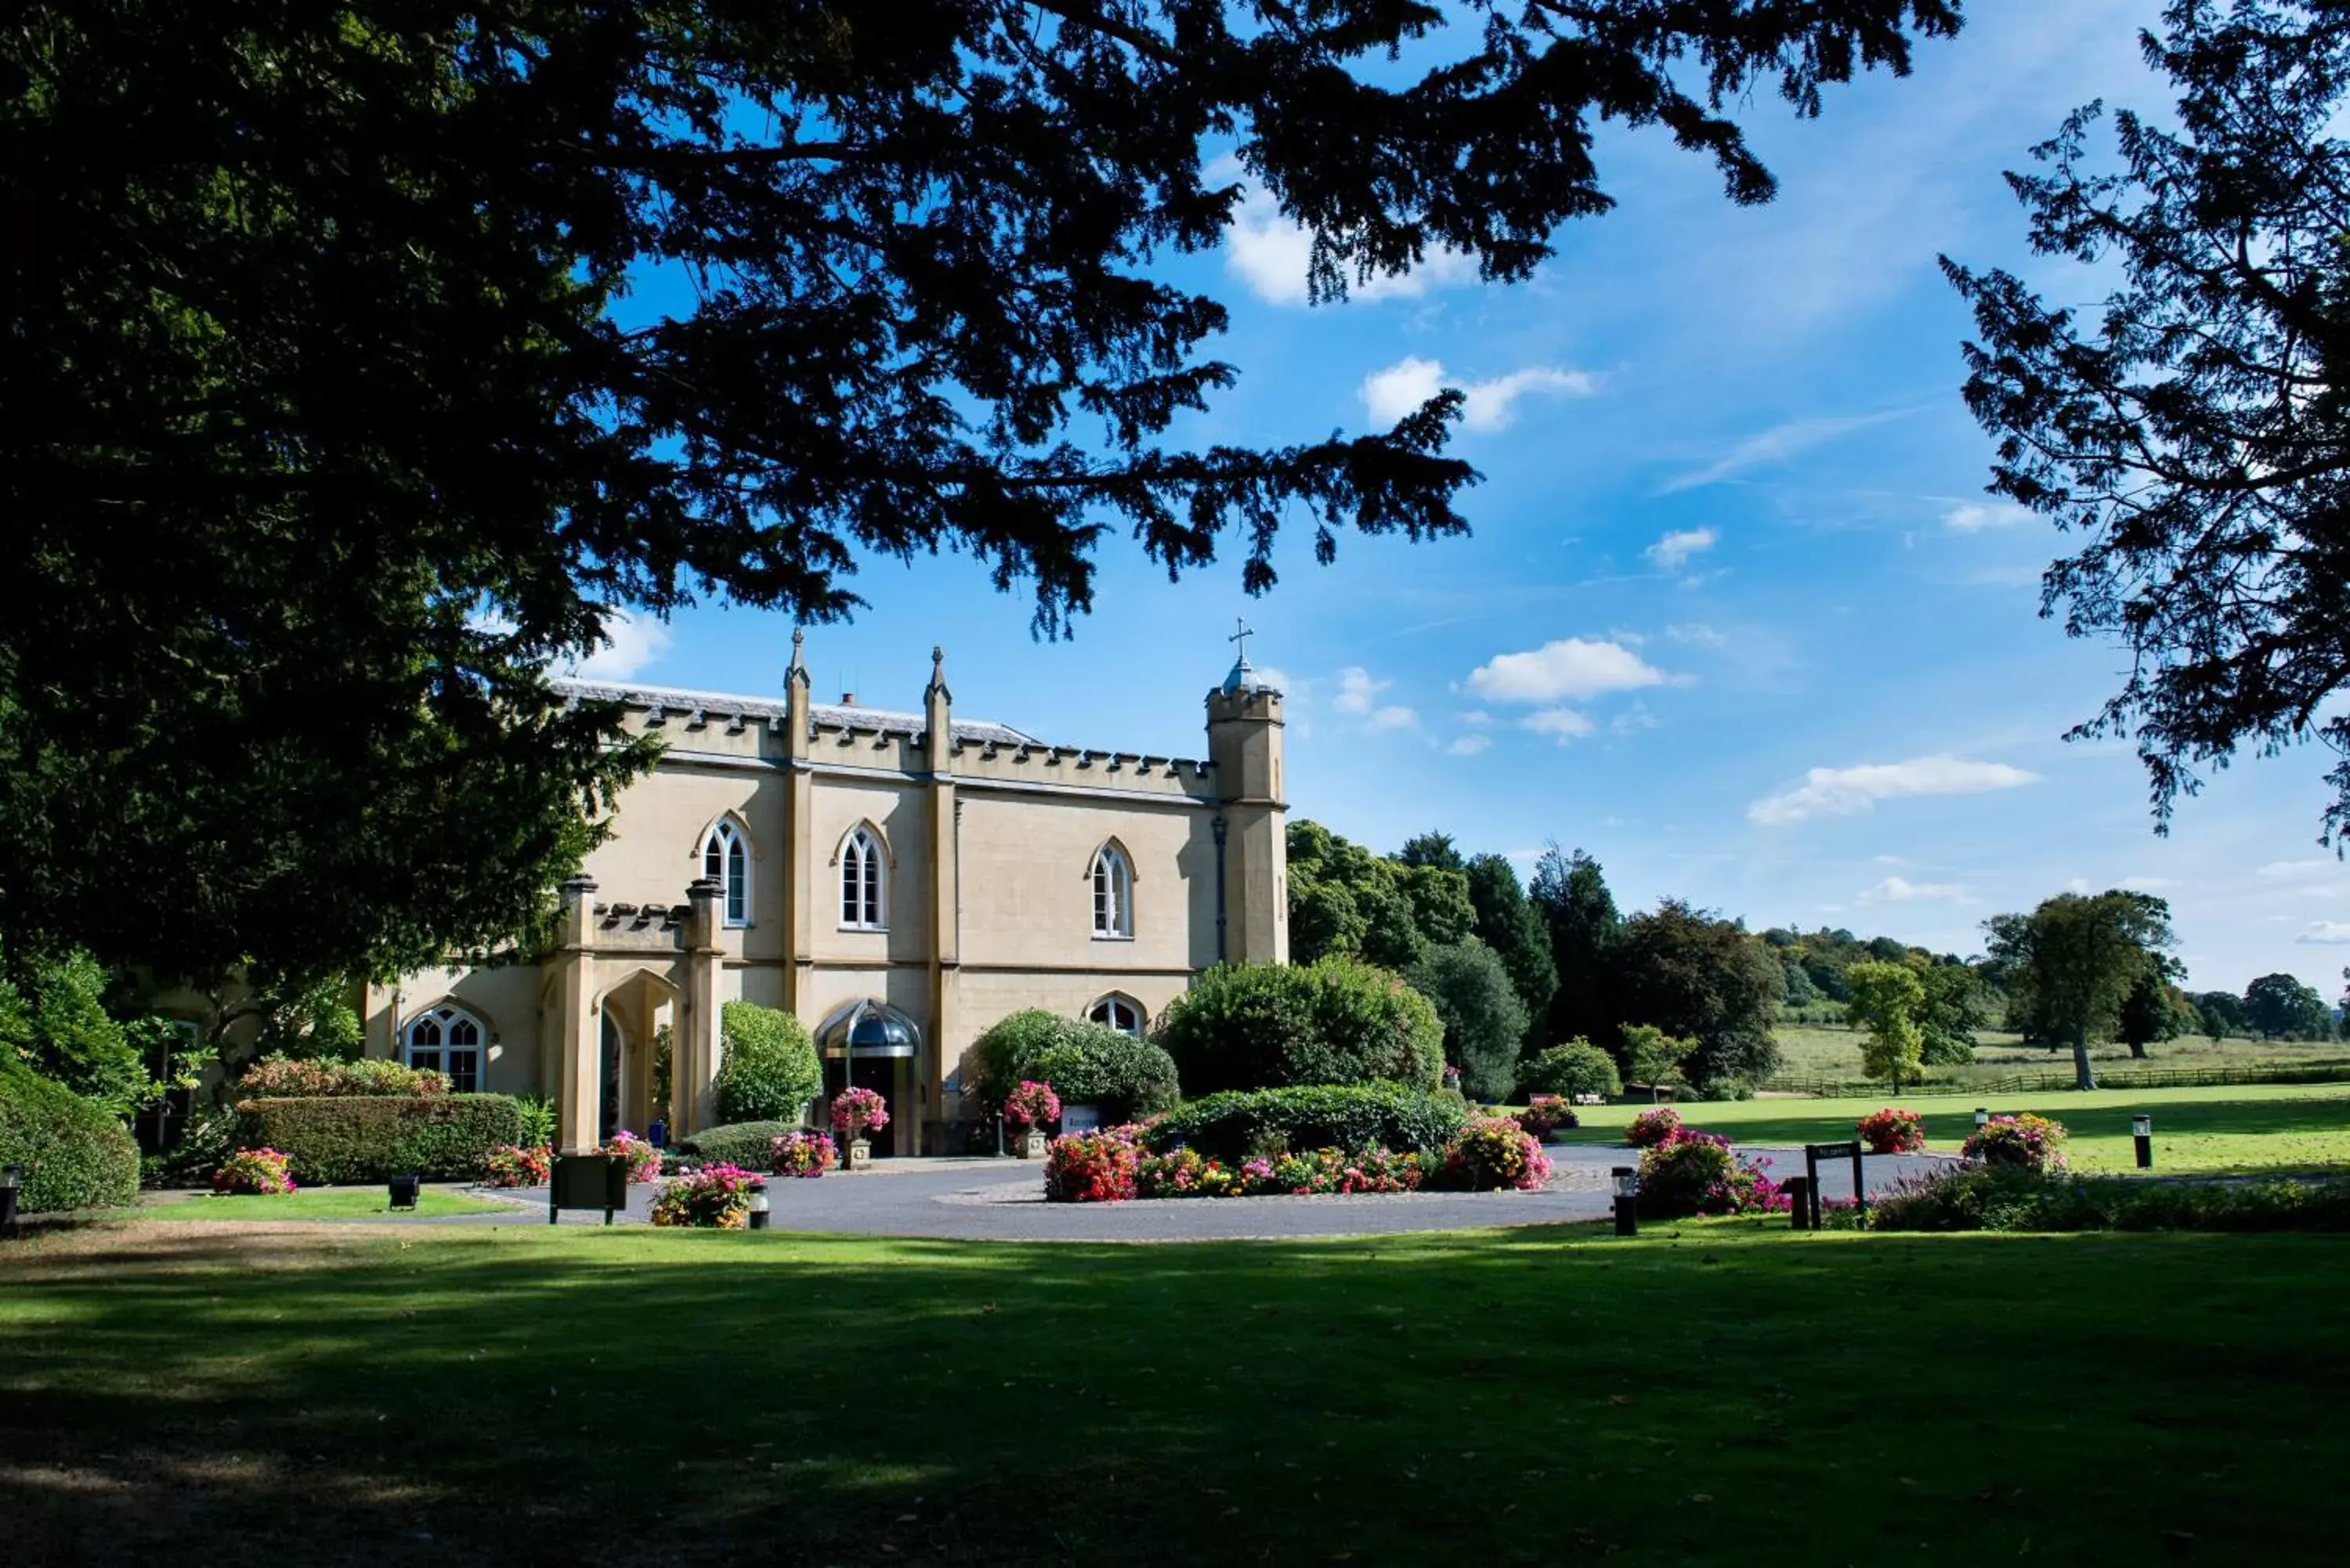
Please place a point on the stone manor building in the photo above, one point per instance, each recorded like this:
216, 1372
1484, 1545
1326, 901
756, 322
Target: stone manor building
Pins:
898, 880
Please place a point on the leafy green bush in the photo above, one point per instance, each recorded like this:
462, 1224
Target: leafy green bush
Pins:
1493, 1154
2006, 1197
75, 1154
538, 1120
768, 1067
1237, 1124
358, 1137
1264, 1026
1692, 1172
750, 1145
1577, 1067
1087, 1064
311, 1078
1483, 1021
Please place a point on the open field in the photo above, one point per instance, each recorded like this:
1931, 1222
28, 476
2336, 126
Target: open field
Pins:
1834, 1051
318, 1203
1716, 1392
2258, 1128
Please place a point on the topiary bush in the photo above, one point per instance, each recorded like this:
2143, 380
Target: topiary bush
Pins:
75, 1155
1577, 1067
334, 1139
767, 1066
1237, 1124
747, 1143
1086, 1064
1337, 1021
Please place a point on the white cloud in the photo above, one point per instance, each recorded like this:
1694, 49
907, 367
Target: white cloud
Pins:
1846, 792
1677, 546
1271, 255
1697, 635
1901, 890
1890, 859
629, 645
1974, 516
1384, 719
1633, 719
1564, 722
2326, 934
1355, 689
1469, 746
1776, 445
2319, 890
2299, 870
2147, 884
1571, 668
1278, 679
1390, 394
1478, 717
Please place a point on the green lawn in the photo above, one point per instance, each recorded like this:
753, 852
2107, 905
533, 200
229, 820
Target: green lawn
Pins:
1832, 1050
2258, 1128
318, 1204
1717, 1393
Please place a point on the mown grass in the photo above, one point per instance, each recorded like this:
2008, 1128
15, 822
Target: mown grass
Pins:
1716, 1392
1827, 1051
2258, 1128
318, 1203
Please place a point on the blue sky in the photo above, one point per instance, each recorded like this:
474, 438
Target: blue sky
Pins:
1737, 617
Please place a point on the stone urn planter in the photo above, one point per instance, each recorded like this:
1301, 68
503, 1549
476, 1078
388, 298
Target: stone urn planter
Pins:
1032, 1143
861, 1154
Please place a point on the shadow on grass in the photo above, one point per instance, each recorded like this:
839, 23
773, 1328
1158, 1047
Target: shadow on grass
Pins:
476, 1396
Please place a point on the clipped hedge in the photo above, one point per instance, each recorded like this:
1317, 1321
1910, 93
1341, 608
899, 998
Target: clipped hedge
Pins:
360, 1138
1087, 1064
750, 1145
1237, 1124
1268, 1027
75, 1155
768, 1067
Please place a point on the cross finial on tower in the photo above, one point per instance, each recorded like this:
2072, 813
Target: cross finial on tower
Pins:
1241, 633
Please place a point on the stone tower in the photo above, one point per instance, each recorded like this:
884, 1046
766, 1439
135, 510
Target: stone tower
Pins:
1245, 727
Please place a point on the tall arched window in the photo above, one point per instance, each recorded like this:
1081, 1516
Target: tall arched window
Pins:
1113, 893
447, 1040
1119, 1012
862, 907
726, 860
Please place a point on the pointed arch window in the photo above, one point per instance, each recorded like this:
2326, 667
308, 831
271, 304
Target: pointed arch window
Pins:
1113, 880
726, 860
446, 1040
862, 905
1121, 1013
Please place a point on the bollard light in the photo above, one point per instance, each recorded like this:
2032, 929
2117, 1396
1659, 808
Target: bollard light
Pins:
12, 1181
2142, 1135
404, 1189
1982, 1119
1627, 1181
758, 1208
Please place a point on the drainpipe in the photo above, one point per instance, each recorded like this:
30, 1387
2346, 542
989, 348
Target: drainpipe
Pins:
1219, 825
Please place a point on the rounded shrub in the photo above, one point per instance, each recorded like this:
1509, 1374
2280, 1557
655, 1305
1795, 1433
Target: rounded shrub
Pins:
1577, 1067
75, 1154
1239, 1122
1086, 1064
768, 1067
1692, 1172
1335, 1021
1493, 1154
2021, 1142
750, 1145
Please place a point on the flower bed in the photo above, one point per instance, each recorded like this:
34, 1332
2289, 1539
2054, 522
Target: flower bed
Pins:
1892, 1131
515, 1166
2024, 1142
1493, 1154
1651, 1128
261, 1170
803, 1154
855, 1112
1546, 1115
1094, 1167
1186, 1173
717, 1197
1693, 1173
644, 1160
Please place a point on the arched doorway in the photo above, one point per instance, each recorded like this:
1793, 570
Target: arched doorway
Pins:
869, 1044
638, 1016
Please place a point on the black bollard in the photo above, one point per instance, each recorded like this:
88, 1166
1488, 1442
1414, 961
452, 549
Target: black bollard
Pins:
1799, 1197
2142, 1134
1627, 1179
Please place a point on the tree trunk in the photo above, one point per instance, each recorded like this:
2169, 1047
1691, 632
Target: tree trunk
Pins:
2138, 1050
2085, 1075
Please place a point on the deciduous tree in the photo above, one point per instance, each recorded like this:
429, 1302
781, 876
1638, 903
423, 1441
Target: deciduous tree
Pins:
1513, 927
2071, 963
332, 417
1699, 977
2279, 1007
1572, 893
1887, 999
1484, 1023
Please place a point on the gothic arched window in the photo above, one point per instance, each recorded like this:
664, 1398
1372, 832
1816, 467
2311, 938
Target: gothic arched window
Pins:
1113, 893
862, 905
1121, 1013
726, 860
446, 1040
